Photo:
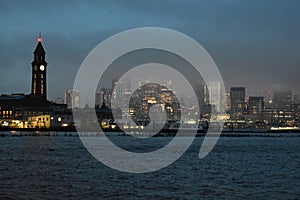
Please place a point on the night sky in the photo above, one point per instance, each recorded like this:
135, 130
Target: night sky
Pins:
255, 44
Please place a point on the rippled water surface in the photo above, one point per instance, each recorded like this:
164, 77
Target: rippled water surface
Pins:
238, 167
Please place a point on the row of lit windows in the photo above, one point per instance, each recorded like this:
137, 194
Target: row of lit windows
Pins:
43, 119
6, 112
34, 86
34, 76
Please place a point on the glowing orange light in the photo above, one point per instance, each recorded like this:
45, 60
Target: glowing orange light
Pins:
39, 39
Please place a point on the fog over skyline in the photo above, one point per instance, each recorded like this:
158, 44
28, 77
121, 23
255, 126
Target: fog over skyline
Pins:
255, 44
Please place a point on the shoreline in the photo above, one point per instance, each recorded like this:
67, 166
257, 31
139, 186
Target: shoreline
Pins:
73, 129
121, 134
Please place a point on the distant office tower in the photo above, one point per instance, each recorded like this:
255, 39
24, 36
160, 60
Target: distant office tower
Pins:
237, 102
115, 93
149, 94
228, 105
72, 98
121, 93
215, 95
282, 100
202, 95
106, 96
267, 98
103, 97
59, 100
256, 105
205, 94
98, 100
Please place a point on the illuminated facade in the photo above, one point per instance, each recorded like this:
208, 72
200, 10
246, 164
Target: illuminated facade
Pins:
256, 105
150, 94
20, 110
41, 121
121, 94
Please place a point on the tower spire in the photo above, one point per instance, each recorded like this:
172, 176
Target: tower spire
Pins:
40, 37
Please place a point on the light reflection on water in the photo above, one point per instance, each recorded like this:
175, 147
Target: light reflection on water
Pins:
238, 167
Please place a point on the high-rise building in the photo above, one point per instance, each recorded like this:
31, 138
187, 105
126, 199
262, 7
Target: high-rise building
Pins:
205, 94
106, 96
282, 100
98, 100
228, 106
215, 95
256, 105
237, 102
103, 97
72, 98
39, 71
150, 94
121, 93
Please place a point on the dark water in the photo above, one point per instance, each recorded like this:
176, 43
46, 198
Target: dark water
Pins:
61, 168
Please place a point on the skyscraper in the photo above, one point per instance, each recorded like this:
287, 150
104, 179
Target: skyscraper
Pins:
72, 98
103, 97
121, 93
215, 95
237, 101
39, 71
282, 100
256, 105
150, 94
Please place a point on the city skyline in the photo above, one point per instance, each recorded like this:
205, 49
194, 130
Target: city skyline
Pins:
160, 99
265, 94
256, 49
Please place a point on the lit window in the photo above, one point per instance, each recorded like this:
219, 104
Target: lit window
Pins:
34, 88
42, 86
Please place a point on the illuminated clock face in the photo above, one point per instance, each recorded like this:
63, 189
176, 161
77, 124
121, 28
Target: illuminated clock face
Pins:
35, 67
42, 68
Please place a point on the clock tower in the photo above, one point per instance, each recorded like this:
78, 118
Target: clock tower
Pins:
39, 71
